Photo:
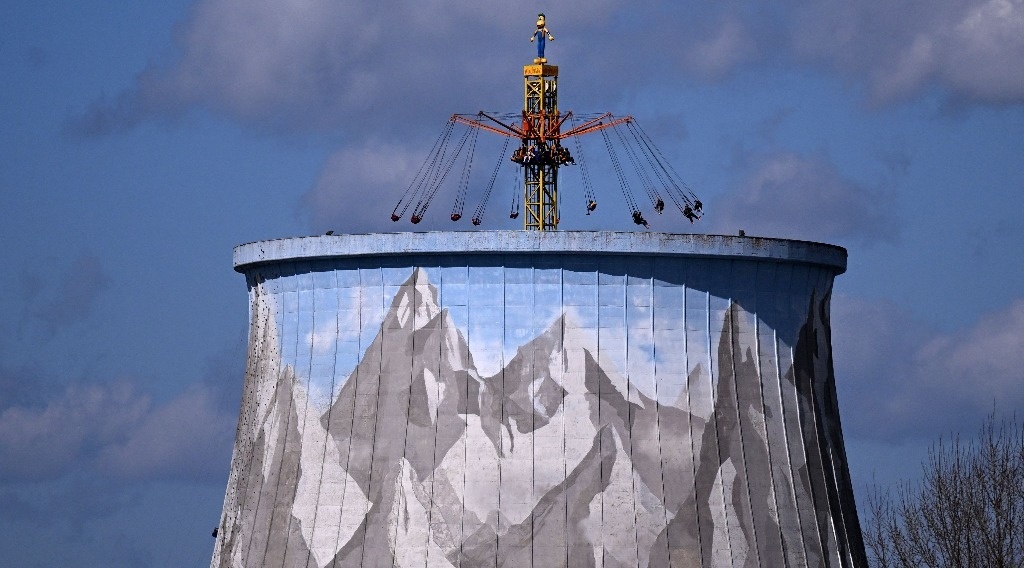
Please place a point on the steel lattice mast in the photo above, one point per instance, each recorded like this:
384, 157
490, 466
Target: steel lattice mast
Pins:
541, 152
540, 125
541, 128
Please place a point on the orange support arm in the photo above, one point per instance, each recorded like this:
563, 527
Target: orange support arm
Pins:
505, 130
595, 125
592, 125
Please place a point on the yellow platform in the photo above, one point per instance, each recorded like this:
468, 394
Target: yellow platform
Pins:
540, 70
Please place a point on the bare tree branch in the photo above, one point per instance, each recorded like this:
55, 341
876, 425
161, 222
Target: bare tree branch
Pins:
967, 510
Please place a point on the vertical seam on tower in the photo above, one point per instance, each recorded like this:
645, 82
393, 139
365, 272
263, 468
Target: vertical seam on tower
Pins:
657, 418
437, 411
284, 445
253, 375
562, 364
373, 442
815, 447
804, 444
355, 400
733, 347
532, 391
714, 419
629, 416
330, 405
730, 316
259, 493
789, 458
501, 414
689, 423
274, 381
305, 410
600, 424
465, 437
764, 413
408, 405
786, 437
825, 445
335, 391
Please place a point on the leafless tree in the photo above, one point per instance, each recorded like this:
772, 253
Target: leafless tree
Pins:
966, 511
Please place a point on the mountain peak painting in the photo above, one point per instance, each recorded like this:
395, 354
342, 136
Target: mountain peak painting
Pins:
604, 438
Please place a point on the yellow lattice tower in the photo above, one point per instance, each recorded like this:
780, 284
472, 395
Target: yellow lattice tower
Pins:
540, 135
540, 126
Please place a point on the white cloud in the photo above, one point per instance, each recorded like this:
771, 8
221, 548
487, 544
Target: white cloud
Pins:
321, 65
804, 197
117, 430
729, 45
188, 437
360, 68
898, 378
973, 49
44, 442
986, 57
249, 57
985, 363
347, 194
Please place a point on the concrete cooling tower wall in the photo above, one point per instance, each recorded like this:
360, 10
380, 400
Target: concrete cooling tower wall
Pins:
539, 399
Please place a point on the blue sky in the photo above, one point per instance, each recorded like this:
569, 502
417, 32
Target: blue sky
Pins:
140, 142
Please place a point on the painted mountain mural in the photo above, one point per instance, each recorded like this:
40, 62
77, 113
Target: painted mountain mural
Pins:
556, 460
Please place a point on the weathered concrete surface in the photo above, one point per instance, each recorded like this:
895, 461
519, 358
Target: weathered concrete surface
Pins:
632, 400
556, 242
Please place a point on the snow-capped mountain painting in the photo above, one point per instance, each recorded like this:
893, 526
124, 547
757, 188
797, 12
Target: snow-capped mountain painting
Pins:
446, 421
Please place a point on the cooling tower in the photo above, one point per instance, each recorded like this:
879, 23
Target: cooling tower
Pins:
539, 399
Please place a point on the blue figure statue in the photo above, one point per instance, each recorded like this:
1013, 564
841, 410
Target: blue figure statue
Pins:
541, 35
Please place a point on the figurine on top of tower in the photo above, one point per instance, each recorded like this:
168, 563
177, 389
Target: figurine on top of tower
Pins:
541, 35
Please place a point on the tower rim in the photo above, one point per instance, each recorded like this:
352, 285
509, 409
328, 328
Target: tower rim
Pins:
508, 242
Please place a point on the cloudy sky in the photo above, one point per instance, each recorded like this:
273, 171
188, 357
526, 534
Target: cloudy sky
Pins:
139, 142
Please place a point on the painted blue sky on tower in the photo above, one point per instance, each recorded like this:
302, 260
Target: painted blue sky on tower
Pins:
142, 142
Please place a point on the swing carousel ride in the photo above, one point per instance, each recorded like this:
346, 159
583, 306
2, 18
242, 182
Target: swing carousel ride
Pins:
543, 133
